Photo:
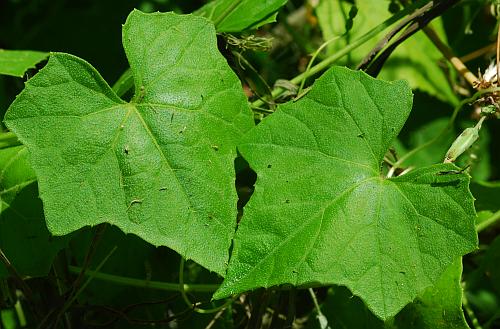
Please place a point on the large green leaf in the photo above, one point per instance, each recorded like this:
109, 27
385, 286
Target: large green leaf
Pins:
16, 62
322, 213
239, 15
161, 166
24, 237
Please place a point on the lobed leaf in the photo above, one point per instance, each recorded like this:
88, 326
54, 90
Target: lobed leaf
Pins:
322, 213
161, 166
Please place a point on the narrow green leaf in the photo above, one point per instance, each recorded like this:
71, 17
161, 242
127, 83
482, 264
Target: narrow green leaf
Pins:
162, 166
322, 213
24, 237
17, 62
239, 15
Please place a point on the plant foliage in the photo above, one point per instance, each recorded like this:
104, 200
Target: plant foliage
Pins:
238, 175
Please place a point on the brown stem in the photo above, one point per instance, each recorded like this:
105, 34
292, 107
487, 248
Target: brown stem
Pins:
478, 53
448, 54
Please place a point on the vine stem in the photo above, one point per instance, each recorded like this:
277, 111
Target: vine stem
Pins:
192, 305
139, 283
346, 50
321, 317
478, 53
490, 221
448, 54
472, 316
313, 58
124, 83
74, 296
411, 153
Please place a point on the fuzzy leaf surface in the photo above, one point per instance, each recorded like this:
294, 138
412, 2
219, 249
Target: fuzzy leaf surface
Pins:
239, 15
161, 166
17, 62
322, 213
439, 307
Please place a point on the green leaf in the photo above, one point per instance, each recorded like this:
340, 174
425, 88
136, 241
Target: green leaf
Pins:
439, 307
17, 62
239, 15
24, 237
161, 166
322, 213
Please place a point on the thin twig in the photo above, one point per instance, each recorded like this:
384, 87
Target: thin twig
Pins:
321, 317
478, 53
490, 221
215, 318
75, 295
195, 306
90, 254
28, 293
448, 54
118, 314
